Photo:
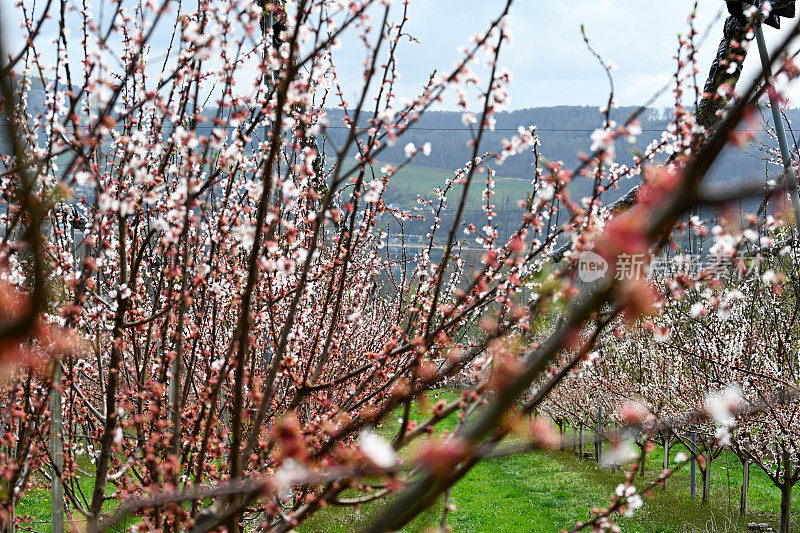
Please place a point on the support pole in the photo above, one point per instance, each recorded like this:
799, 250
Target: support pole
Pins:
57, 423
573, 444
57, 453
598, 437
693, 467
780, 131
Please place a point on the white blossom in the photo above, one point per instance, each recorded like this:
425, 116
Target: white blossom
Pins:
373, 192
722, 404
376, 449
287, 475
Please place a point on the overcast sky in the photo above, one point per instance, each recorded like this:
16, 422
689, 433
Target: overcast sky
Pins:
548, 59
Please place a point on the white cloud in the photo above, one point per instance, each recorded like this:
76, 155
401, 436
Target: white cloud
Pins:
549, 60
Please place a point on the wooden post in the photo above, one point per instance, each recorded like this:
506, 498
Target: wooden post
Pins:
693, 467
745, 487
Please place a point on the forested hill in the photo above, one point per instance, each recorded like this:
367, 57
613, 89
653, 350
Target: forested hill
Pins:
564, 132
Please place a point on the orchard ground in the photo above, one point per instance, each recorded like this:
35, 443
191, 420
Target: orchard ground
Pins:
546, 491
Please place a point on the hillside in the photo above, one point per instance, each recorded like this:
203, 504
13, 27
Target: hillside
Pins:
564, 133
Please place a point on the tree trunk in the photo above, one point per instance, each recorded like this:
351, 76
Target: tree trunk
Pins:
786, 495
580, 441
666, 453
642, 458
734, 33
745, 487
706, 481
786, 507
9, 527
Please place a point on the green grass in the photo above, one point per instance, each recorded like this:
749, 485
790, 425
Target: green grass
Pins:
416, 180
546, 491
34, 506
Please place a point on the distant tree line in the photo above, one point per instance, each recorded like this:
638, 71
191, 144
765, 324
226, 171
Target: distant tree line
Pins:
564, 132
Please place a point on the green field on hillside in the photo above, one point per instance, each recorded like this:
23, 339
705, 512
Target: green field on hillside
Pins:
415, 180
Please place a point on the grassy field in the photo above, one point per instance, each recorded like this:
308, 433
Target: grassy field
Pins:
34, 508
419, 180
545, 491
548, 491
